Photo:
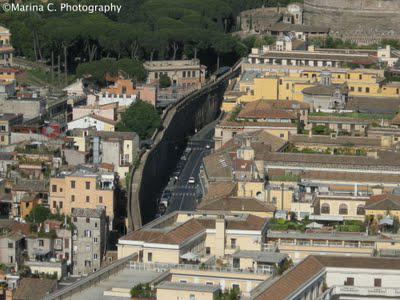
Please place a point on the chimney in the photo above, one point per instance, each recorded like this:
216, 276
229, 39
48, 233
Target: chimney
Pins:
220, 236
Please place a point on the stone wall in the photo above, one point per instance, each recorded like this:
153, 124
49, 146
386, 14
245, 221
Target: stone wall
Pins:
361, 21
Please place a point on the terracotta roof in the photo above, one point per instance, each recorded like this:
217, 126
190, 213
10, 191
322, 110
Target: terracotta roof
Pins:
265, 109
323, 90
257, 124
384, 159
175, 236
251, 222
339, 140
396, 120
219, 189
236, 204
383, 202
34, 288
334, 119
291, 281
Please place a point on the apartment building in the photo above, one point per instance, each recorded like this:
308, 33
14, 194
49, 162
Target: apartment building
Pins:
84, 187
299, 245
122, 92
184, 74
6, 49
12, 245
117, 148
100, 123
89, 239
108, 111
339, 124
204, 235
335, 277
321, 87
6, 123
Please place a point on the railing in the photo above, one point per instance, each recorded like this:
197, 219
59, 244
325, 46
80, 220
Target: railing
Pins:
160, 267
91, 279
324, 244
366, 291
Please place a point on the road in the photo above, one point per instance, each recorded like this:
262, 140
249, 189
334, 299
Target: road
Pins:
185, 195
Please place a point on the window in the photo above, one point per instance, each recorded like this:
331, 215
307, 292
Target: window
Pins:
208, 250
184, 74
95, 256
349, 281
10, 245
155, 75
182, 281
325, 208
41, 243
100, 199
343, 210
87, 199
66, 242
360, 89
360, 210
60, 204
87, 248
274, 200
54, 204
235, 286
360, 77
95, 240
88, 263
367, 89
95, 224
397, 91
193, 73
87, 184
377, 282
192, 297
287, 86
209, 283
88, 233
280, 81
352, 88
72, 184
233, 243
348, 76
282, 135
149, 256
72, 198
87, 220
54, 188
75, 219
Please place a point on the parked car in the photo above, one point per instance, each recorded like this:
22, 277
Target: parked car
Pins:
191, 180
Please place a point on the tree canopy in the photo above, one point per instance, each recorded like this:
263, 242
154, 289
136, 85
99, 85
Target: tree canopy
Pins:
142, 118
143, 30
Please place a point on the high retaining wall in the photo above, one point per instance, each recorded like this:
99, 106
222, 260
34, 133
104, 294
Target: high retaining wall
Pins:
362, 21
179, 122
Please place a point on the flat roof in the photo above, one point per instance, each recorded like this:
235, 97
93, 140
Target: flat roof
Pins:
261, 256
168, 285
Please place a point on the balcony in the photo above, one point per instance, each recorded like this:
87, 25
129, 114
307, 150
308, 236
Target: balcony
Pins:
366, 291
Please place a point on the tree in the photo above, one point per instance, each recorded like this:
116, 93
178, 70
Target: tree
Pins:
164, 81
39, 214
142, 118
132, 68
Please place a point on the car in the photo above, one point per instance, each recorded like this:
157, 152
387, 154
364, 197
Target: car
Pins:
191, 180
183, 157
208, 146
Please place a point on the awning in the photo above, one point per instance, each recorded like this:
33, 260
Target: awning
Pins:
190, 256
314, 225
386, 221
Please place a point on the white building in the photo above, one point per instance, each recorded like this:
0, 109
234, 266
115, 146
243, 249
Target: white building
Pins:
335, 277
100, 123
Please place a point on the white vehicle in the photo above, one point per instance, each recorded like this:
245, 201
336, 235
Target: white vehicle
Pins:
208, 146
191, 180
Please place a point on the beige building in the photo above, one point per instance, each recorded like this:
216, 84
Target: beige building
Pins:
183, 73
170, 290
83, 188
6, 123
174, 237
299, 245
6, 50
